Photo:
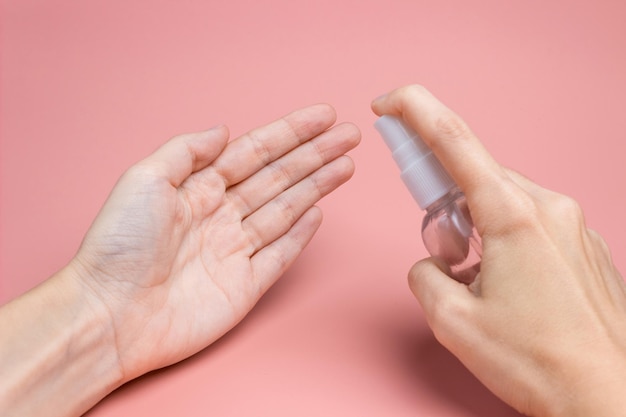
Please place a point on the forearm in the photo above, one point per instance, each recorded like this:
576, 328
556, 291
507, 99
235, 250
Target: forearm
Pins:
57, 351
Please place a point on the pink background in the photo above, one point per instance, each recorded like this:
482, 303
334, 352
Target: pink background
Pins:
89, 87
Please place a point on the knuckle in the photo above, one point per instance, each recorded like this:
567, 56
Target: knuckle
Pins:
566, 208
287, 209
520, 214
261, 149
318, 185
598, 241
280, 175
524, 215
241, 201
523, 209
449, 126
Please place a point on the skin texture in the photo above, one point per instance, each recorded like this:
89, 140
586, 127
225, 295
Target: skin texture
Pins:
193, 235
544, 324
188, 241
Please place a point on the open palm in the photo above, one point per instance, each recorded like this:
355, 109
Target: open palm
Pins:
193, 235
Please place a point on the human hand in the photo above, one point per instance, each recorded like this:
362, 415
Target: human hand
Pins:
543, 326
193, 235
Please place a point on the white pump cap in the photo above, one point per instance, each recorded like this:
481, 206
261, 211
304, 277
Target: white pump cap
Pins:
420, 170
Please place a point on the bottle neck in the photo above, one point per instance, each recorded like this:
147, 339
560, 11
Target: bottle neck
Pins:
453, 194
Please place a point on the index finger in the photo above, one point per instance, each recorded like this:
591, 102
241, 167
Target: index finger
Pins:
485, 183
257, 148
451, 140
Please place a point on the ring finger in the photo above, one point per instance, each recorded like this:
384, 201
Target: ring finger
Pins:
277, 216
281, 174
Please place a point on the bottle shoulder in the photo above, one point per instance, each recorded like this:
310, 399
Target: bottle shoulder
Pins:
454, 196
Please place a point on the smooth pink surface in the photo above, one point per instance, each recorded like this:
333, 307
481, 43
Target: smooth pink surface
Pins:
89, 87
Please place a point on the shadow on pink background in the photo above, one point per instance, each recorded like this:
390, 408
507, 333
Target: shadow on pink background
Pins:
88, 88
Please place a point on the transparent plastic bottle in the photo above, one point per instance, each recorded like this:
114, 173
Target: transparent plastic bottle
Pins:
447, 229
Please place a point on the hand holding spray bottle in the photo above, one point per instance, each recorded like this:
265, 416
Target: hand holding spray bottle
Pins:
447, 229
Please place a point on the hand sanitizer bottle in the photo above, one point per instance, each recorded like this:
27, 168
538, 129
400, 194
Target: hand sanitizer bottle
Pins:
447, 229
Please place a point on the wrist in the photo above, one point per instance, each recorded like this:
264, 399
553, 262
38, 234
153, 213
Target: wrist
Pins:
94, 304
111, 311
61, 359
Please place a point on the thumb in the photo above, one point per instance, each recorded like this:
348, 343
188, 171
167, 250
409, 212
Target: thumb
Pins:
185, 154
447, 303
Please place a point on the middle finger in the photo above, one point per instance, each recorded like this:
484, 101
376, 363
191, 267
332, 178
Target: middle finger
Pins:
281, 174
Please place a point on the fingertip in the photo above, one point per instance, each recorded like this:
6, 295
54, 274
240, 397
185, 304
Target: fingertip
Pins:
306, 226
218, 130
326, 111
350, 168
310, 121
185, 154
353, 135
204, 141
353, 166
211, 142
346, 136
271, 261
422, 273
376, 104
205, 146
336, 173
348, 164
316, 214
329, 108
221, 130
397, 101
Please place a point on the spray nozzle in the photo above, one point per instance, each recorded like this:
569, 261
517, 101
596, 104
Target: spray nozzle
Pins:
420, 170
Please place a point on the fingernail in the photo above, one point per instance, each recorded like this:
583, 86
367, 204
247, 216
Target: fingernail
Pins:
379, 98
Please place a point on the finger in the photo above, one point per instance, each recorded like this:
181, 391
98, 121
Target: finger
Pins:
270, 262
252, 151
490, 192
281, 174
456, 147
446, 303
183, 155
277, 216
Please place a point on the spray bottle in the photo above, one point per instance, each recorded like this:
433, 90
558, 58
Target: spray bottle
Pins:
447, 229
